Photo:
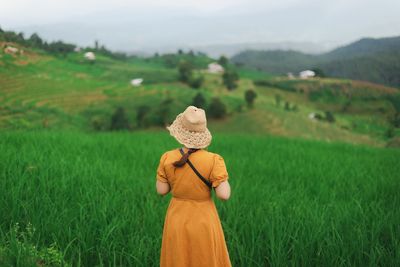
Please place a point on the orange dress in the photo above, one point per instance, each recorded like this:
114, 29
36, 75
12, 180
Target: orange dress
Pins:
192, 234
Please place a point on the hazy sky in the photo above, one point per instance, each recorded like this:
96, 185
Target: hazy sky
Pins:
136, 25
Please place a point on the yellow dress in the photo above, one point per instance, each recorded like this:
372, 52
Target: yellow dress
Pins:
192, 234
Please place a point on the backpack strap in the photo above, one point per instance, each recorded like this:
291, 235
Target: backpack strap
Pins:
208, 183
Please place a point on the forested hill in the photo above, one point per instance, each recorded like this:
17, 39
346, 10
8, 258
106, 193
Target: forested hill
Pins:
375, 60
365, 47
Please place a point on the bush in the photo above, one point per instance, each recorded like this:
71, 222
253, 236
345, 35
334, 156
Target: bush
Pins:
319, 72
250, 96
199, 101
141, 114
329, 117
163, 112
230, 78
216, 109
99, 123
389, 133
223, 61
119, 120
278, 99
196, 82
287, 106
185, 70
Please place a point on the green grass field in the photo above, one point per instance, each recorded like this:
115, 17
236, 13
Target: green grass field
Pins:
70, 198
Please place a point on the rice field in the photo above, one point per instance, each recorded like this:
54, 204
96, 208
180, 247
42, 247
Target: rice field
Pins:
79, 199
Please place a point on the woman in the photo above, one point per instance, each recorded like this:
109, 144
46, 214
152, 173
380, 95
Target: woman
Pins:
192, 234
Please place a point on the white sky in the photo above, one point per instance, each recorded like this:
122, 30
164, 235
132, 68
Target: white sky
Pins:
48, 11
138, 23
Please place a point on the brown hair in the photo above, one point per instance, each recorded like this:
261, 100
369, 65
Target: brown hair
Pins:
184, 158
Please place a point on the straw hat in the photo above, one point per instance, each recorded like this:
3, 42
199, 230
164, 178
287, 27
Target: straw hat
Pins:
190, 128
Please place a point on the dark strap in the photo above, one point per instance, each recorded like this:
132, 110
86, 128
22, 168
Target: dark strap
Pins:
196, 171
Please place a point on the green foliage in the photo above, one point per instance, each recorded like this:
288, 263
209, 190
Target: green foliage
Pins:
141, 114
20, 250
278, 99
230, 78
163, 112
394, 142
223, 61
394, 118
59, 48
35, 40
196, 82
216, 109
329, 117
319, 72
287, 106
275, 62
285, 86
310, 204
199, 101
199, 61
119, 120
185, 70
250, 95
389, 132
321, 95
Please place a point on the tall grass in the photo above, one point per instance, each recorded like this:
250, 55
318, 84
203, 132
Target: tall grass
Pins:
91, 199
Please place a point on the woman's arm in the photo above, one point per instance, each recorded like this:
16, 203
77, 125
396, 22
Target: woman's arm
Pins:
223, 190
162, 188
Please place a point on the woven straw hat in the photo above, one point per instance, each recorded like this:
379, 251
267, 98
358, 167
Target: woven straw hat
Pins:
190, 128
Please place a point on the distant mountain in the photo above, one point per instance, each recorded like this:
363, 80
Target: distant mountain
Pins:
365, 47
276, 61
375, 60
229, 50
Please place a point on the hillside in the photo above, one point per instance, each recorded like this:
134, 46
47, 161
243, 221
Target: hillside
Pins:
374, 60
40, 90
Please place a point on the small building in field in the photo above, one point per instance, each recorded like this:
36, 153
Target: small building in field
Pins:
90, 56
312, 116
10, 50
136, 82
215, 68
306, 74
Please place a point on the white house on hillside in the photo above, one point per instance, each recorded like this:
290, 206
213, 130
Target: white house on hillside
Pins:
136, 82
215, 68
305, 74
11, 50
90, 56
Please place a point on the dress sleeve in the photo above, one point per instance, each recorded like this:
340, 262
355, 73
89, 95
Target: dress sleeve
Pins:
219, 173
161, 175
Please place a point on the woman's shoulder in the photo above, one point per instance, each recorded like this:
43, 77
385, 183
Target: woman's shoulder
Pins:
169, 152
214, 156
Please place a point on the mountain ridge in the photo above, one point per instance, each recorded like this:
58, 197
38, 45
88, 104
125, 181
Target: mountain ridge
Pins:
370, 59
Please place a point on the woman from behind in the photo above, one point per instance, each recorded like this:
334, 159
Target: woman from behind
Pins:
192, 234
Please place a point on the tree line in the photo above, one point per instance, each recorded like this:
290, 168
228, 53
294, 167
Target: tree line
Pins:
57, 48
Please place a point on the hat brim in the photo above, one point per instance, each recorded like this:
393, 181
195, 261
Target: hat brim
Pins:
188, 138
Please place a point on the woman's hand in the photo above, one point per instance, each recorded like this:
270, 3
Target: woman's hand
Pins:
162, 188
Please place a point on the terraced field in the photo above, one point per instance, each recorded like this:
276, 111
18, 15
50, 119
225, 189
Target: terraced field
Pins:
68, 92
